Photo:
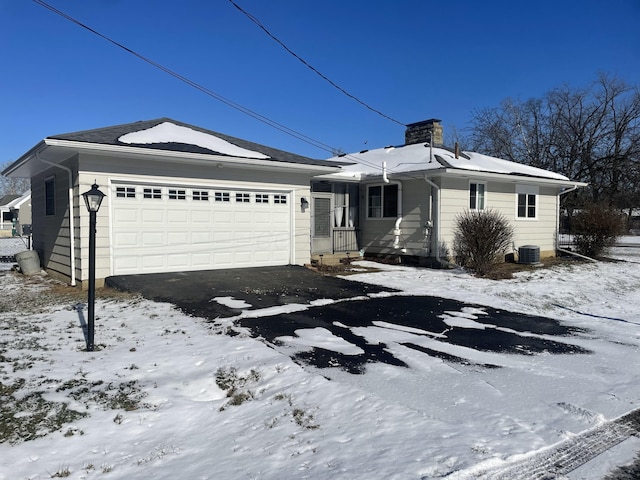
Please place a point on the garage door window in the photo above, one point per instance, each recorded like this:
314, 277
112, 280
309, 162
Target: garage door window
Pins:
262, 198
200, 195
221, 196
154, 193
281, 199
177, 194
126, 192
243, 198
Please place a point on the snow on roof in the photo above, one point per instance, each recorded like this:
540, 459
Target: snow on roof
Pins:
416, 157
168, 132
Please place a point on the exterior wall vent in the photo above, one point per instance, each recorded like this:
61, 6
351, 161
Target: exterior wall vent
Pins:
529, 254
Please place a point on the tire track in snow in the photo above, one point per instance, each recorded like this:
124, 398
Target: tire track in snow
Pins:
562, 458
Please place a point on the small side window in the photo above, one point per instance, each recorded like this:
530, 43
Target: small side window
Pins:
476, 196
50, 196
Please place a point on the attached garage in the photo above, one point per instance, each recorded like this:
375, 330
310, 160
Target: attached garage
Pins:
178, 198
173, 228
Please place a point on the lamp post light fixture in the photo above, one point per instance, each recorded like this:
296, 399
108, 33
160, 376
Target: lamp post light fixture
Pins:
92, 199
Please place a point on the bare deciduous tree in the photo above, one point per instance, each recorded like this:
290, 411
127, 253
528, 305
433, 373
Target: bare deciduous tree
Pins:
13, 186
590, 135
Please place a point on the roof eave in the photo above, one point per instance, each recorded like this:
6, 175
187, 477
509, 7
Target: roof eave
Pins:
196, 158
23, 160
510, 177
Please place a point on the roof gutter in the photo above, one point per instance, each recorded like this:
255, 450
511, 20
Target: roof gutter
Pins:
514, 177
72, 236
196, 157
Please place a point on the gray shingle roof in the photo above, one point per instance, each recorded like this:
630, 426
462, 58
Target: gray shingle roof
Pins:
110, 136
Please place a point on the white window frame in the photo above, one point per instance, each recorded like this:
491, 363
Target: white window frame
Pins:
527, 191
477, 198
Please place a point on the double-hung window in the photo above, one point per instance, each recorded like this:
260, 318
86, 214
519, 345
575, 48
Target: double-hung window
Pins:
527, 201
476, 196
382, 201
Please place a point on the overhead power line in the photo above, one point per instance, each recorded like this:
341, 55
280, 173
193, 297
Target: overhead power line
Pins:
203, 89
211, 93
311, 67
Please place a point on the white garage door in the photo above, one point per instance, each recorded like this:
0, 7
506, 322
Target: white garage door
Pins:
173, 228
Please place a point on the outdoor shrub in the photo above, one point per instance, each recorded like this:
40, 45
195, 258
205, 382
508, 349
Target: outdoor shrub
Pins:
596, 228
481, 239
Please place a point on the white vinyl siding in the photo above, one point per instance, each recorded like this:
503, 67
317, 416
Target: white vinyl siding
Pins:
540, 231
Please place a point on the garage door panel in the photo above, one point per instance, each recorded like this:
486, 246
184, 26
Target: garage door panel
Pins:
164, 235
201, 259
180, 260
200, 216
177, 238
178, 216
222, 218
124, 239
199, 238
153, 261
124, 214
151, 239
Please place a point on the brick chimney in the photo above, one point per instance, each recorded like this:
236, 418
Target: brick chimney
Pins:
421, 132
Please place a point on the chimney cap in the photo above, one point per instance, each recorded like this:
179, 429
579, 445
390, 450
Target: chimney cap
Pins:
424, 122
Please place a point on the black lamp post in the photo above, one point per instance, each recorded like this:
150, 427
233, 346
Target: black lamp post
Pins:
92, 199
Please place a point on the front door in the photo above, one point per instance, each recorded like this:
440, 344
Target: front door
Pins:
321, 241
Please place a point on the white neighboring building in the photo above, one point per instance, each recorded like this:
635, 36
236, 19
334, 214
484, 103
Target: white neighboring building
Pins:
15, 215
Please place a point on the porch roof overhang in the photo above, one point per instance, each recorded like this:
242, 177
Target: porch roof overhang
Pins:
57, 151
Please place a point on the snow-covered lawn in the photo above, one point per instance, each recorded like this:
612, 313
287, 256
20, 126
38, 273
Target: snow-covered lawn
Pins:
168, 396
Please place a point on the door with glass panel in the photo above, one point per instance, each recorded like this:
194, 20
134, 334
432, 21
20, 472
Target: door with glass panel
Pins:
321, 240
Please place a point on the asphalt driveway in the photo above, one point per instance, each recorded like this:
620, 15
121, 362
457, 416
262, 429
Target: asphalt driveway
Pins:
344, 310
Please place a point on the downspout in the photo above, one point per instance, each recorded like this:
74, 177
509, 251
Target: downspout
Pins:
72, 235
396, 229
435, 223
569, 190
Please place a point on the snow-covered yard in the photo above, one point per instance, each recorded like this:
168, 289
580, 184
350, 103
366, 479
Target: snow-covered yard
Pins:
170, 396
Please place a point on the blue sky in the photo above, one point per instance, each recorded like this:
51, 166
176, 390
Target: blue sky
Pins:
411, 59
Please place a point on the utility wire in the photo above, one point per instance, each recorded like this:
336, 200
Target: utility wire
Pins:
311, 67
220, 98
203, 89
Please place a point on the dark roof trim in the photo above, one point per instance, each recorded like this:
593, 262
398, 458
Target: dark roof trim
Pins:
110, 136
